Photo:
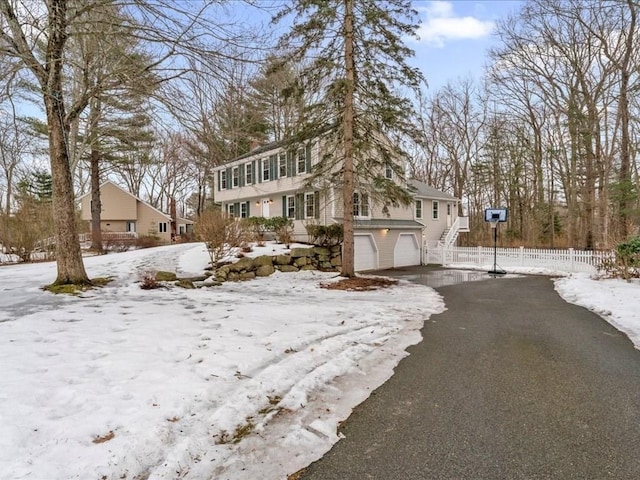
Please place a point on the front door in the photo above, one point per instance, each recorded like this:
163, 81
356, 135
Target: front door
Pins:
449, 215
265, 207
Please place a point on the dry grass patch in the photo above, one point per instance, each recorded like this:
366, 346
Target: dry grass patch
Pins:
104, 438
360, 284
297, 475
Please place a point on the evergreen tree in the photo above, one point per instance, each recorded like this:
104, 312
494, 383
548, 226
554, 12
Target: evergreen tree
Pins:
354, 65
37, 186
278, 94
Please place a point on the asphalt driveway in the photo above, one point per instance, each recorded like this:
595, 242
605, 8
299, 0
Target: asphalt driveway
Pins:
510, 382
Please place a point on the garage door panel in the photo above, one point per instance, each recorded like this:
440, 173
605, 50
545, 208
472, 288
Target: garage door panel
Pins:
365, 253
407, 251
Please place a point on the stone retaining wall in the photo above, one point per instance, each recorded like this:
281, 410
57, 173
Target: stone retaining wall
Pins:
326, 259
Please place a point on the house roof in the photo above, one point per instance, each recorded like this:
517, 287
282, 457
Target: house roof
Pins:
386, 223
131, 195
424, 190
257, 151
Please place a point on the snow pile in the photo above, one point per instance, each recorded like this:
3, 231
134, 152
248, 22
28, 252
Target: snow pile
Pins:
241, 381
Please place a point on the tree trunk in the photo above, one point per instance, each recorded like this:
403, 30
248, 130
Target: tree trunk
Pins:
348, 265
623, 109
68, 255
96, 203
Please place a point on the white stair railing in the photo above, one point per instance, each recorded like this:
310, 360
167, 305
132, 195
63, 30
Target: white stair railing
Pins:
452, 234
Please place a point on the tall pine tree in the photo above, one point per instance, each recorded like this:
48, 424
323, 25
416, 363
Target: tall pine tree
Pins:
355, 64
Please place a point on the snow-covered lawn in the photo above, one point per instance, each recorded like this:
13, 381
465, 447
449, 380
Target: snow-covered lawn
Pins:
241, 381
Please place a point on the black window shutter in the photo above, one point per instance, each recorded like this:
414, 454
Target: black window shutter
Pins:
229, 178
236, 209
248, 209
308, 157
299, 206
273, 162
316, 204
290, 171
258, 163
241, 175
219, 175
294, 164
284, 206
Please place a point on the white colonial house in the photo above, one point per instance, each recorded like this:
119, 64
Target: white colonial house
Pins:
269, 181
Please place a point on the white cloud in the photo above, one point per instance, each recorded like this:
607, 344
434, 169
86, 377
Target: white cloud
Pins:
441, 24
439, 9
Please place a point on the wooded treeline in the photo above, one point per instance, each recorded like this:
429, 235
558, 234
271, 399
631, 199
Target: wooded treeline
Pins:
553, 133
158, 93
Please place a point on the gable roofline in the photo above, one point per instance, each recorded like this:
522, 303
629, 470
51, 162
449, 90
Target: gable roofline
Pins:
424, 190
284, 143
131, 195
256, 151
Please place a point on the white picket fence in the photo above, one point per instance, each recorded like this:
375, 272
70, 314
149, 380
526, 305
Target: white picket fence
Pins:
561, 260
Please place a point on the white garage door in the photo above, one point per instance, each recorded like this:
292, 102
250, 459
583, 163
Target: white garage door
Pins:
406, 251
365, 253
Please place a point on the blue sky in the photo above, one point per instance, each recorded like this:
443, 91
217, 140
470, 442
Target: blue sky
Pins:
455, 36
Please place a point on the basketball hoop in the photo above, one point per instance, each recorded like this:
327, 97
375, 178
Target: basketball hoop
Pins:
493, 216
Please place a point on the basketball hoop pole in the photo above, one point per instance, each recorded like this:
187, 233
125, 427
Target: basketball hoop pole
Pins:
495, 271
495, 216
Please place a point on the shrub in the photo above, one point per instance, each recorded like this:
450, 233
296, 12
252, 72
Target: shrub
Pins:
187, 237
325, 235
148, 281
626, 261
147, 241
258, 226
283, 229
221, 233
30, 229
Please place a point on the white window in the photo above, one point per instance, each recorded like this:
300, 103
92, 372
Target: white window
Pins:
419, 209
230, 210
131, 226
244, 210
282, 165
248, 174
223, 180
291, 206
265, 170
309, 205
235, 174
435, 210
162, 227
360, 204
302, 160
388, 171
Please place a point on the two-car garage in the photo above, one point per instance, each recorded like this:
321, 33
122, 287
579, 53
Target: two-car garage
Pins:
386, 248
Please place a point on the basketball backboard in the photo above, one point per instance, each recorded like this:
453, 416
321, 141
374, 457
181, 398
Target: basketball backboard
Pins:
495, 215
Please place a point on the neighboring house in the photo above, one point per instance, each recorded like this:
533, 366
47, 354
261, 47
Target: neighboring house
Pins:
124, 212
269, 181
